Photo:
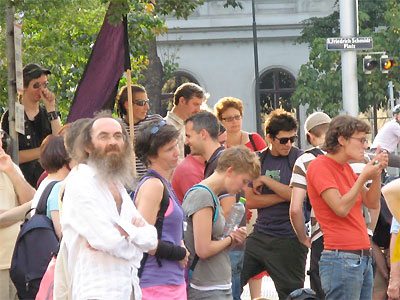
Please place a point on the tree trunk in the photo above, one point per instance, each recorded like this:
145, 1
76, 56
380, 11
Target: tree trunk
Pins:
153, 78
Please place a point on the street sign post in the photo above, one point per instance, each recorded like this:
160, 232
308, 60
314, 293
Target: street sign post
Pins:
350, 43
18, 57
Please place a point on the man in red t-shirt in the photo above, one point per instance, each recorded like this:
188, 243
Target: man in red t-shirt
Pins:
337, 195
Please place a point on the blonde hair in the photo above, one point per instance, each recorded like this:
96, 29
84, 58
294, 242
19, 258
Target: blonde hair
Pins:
241, 159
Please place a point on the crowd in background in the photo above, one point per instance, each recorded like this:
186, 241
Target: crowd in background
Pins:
151, 225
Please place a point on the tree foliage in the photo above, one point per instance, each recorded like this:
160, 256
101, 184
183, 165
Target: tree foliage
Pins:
59, 34
319, 81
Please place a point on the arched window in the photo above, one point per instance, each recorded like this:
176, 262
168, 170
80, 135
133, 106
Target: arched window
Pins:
174, 82
276, 88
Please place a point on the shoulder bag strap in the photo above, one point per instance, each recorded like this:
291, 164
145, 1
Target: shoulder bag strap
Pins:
253, 144
42, 204
159, 219
215, 217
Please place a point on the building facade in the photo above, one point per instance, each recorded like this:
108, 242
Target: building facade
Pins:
215, 48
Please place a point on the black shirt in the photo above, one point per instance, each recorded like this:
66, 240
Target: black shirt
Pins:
36, 131
212, 163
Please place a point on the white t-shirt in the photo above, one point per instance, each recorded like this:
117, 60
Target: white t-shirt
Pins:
388, 136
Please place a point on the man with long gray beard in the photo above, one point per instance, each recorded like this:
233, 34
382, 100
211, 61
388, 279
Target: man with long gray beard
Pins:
104, 234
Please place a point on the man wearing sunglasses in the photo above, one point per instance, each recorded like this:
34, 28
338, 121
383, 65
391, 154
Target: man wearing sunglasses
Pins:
273, 245
141, 106
40, 120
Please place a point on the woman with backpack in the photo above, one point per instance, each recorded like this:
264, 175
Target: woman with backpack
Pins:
39, 237
209, 264
157, 147
55, 160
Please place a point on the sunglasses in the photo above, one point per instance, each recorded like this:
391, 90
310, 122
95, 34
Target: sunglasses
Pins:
230, 119
285, 140
141, 102
157, 127
38, 85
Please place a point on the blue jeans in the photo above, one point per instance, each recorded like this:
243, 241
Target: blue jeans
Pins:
236, 257
346, 275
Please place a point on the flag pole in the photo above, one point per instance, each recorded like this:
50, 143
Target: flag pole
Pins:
130, 116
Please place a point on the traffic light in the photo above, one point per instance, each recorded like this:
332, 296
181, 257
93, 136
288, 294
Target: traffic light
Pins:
386, 63
369, 64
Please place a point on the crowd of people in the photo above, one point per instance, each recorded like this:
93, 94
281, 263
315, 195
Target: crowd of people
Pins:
146, 220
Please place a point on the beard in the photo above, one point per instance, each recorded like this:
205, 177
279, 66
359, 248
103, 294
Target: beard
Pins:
113, 164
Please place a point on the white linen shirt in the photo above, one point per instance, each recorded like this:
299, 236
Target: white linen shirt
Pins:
179, 124
101, 262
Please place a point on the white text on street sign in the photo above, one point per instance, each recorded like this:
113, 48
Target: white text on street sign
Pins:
350, 43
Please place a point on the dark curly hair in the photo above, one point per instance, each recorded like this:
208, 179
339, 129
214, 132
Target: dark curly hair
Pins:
151, 137
279, 120
344, 126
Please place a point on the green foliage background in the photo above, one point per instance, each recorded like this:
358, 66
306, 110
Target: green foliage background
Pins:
319, 81
59, 34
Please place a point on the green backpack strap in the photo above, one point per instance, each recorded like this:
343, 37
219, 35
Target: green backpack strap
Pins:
215, 200
215, 218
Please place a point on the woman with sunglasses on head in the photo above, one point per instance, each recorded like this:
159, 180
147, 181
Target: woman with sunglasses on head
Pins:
40, 121
229, 111
157, 147
140, 109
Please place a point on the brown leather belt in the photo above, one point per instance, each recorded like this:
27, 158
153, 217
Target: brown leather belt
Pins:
362, 252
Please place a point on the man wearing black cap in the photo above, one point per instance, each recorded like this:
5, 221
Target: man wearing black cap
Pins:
39, 121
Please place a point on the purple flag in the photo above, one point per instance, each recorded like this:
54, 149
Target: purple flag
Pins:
108, 61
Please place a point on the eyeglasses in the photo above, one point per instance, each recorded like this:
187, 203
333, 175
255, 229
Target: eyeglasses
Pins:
38, 85
230, 119
157, 127
362, 140
285, 140
141, 102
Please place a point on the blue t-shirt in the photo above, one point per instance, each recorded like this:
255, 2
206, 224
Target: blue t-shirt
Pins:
52, 201
274, 220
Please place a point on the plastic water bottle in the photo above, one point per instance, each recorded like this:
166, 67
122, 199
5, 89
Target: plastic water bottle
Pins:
235, 217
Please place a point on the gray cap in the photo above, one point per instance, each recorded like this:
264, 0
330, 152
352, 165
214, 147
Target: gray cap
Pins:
315, 119
396, 109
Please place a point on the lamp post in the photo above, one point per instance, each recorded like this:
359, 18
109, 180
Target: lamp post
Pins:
257, 77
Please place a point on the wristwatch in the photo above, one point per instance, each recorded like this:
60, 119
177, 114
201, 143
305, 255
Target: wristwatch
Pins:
53, 115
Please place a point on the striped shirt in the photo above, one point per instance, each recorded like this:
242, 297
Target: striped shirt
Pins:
141, 168
299, 180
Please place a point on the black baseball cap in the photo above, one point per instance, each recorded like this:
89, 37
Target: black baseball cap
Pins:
33, 71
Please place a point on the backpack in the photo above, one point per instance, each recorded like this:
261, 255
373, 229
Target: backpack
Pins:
36, 243
160, 217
